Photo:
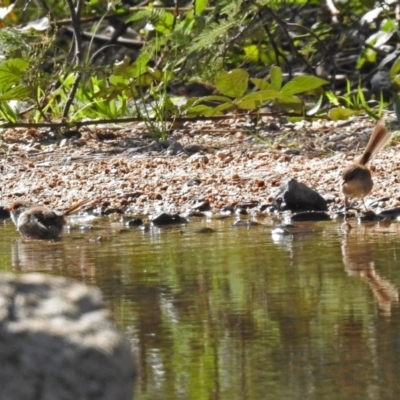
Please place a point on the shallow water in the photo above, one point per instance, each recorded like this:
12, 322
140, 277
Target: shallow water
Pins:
240, 313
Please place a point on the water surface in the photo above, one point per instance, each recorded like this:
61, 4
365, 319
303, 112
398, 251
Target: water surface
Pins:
240, 313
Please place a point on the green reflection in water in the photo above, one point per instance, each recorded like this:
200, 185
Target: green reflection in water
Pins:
238, 314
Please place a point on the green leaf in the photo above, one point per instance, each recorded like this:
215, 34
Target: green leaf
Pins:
16, 93
339, 113
220, 99
233, 83
11, 72
302, 84
261, 84
252, 53
166, 23
395, 69
138, 15
199, 6
263, 96
276, 77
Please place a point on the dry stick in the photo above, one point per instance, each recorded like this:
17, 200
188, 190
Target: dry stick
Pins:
75, 15
108, 121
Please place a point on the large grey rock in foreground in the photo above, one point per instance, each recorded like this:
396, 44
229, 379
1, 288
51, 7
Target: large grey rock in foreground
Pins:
57, 342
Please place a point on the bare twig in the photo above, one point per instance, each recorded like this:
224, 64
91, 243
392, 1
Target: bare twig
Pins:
75, 15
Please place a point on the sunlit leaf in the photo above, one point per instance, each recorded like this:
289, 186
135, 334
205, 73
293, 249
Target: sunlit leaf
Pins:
233, 83
16, 93
261, 84
276, 77
166, 23
252, 53
302, 84
11, 72
219, 99
339, 113
199, 6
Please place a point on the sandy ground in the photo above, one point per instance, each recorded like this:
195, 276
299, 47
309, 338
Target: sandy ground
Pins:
225, 163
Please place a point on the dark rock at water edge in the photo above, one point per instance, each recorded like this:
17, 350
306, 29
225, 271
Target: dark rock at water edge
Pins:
168, 219
57, 342
391, 213
310, 216
4, 214
134, 222
296, 196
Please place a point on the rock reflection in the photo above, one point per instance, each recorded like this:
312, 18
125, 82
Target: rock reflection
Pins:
359, 260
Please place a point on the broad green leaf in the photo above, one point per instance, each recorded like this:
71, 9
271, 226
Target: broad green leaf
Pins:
262, 96
7, 112
233, 83
339, 113
276, 77
261, 84
302, 84
291, 103
138, 15
220, 99
199, 6
166, 23
389, 25
198, 110
16, 93
11, 72
252, 53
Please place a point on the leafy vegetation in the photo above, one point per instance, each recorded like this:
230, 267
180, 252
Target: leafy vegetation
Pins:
78, 60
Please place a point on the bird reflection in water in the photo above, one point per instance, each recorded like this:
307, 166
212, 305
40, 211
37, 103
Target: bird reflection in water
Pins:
359, 259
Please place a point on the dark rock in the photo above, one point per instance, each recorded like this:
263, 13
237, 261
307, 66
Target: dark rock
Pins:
109, 211
72, 135
57, 342
392, 213
175, 148
192, 148
202, 206
369, 216
381, 85
169, 219
240, 211
311, 216
4, 214
296, 196
134, 222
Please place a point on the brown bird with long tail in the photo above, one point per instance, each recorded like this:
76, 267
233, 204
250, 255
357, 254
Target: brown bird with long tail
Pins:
357, 178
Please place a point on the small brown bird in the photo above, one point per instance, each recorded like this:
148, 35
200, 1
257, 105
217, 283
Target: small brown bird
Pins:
356, 178
38, 222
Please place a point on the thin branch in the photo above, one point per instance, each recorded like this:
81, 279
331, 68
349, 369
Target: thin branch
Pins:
75, 15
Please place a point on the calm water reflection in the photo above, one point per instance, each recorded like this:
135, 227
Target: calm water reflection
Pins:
239, 314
